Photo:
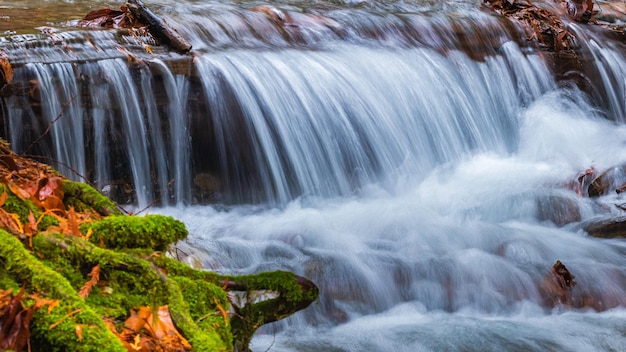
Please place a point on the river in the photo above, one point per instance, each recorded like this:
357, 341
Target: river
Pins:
412, 158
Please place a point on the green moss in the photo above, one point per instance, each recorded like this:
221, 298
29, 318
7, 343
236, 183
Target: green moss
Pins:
176, 268
151, 231
200, 339
203, 298
84, 197
132, 275
23, 208
6, 281
24, 267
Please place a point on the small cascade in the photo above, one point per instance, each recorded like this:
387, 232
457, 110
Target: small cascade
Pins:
271, 126
330, 125
420, 161
604, 66
59, 91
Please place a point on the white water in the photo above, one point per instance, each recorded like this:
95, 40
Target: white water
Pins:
449, 263
408, 181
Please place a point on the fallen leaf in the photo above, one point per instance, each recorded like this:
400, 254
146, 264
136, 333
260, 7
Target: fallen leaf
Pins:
222, 310
79, 332
95, 278
5, 67
72, 223
3, 197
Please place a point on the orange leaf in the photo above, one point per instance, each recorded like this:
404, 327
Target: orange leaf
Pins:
79, 332
53, 305
95, 277
3, 197
222, 310
72, 223
5, 67
18, 191
11, 222
134, 322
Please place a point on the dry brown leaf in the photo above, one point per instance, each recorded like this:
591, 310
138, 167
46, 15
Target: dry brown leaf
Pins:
5, 67
18, 191
95, 277
150, 331
72, 223
31, 226
11, 222
3, 198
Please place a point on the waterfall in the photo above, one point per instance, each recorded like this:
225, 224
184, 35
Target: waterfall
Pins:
330, 124
418, 160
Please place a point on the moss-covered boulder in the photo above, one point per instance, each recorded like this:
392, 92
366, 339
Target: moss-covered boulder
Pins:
101, 274
123, 232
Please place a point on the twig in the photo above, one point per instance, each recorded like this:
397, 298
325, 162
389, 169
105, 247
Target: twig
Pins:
65, 317
63, 107
74, 172
156, 200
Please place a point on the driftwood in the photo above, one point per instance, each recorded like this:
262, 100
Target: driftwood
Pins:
158, 27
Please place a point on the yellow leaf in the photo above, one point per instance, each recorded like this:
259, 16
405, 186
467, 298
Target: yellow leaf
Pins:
135, 344
18, 223
148, 49
53, 305
88, 235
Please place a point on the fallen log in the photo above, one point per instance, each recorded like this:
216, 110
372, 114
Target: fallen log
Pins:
158, 27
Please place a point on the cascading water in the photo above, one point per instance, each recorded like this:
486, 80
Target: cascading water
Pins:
413, 164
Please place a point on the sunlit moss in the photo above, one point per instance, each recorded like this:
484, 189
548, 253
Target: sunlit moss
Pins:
151, 231
55, 330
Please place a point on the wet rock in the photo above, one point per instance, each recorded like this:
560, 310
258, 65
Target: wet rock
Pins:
614, 227
558, 209
207, 187
611, 180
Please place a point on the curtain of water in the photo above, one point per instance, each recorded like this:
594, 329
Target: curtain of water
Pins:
323, 123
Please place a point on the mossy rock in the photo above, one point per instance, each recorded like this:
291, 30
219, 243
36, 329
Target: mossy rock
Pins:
86, 198
151, 231
22, 266
133, 273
